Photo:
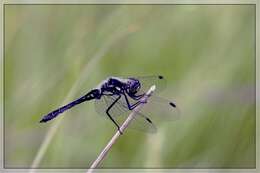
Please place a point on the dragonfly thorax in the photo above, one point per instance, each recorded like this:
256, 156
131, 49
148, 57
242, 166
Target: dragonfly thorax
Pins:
112, 85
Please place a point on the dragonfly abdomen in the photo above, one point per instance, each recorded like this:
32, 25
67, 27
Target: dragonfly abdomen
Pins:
93, 94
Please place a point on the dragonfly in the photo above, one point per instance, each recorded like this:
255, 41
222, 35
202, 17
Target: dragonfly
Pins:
116, 97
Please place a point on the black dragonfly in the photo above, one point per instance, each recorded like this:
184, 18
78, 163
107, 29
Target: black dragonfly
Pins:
116, 97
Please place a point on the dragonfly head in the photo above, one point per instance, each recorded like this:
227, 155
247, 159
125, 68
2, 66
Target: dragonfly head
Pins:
133, 86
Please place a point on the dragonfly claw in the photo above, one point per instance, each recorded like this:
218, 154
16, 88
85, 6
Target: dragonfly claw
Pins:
120, 131
143, 101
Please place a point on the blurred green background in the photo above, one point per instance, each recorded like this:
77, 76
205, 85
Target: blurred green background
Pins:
56, 53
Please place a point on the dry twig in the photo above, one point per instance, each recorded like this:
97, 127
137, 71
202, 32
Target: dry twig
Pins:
123, 127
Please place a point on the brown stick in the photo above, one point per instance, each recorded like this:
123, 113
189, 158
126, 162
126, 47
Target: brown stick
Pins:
122, 129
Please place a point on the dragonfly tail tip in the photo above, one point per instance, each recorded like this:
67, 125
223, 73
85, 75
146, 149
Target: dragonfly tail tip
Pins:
42, 121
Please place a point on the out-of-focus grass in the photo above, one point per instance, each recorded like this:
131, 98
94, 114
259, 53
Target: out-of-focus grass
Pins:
206, 52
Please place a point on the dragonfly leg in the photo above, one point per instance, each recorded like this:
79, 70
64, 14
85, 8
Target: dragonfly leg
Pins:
107, 112
131, 107
138, 97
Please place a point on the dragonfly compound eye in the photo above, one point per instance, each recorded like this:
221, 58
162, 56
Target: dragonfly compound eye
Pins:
134, 86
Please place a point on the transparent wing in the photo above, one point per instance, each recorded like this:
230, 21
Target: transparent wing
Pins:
120, 112
148, 81
160, 109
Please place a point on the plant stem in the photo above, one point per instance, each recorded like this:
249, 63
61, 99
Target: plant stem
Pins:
123, 127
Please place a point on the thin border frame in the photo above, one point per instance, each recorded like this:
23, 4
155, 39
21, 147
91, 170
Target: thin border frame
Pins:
122, 3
